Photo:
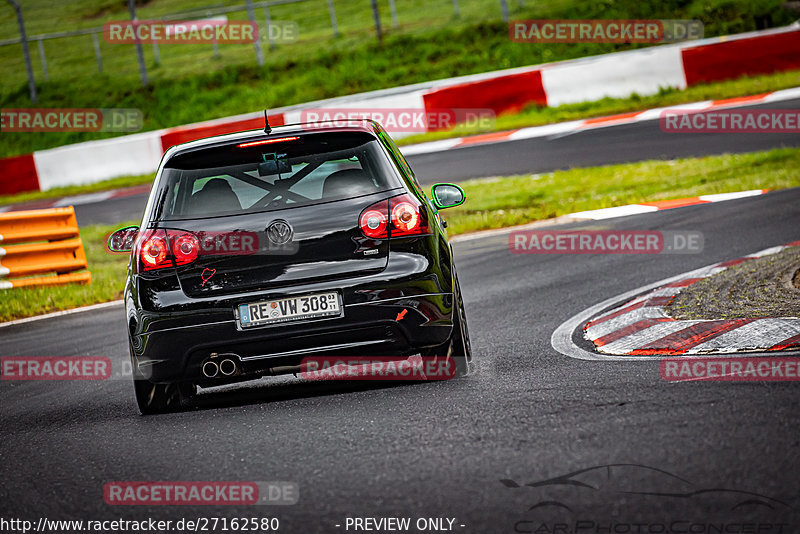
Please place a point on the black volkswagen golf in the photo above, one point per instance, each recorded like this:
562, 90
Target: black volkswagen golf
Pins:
260, 248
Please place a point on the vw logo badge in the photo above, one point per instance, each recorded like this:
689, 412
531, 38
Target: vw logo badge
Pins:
279, 232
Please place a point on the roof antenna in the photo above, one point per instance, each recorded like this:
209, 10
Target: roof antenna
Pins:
267, 127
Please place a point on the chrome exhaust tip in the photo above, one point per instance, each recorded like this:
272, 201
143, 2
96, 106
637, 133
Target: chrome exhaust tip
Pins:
227, 367
210, 369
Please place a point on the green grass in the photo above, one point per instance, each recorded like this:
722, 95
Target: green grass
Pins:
536, 116
108, 280
502, 202
58, 192
190, 85
491, 203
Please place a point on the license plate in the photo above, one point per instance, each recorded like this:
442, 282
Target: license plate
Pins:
290, 309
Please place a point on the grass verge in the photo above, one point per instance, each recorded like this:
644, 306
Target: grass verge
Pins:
493, 203
760, 287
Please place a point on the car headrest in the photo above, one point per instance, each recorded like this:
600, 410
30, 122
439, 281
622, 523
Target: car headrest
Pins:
347, 182
216, 196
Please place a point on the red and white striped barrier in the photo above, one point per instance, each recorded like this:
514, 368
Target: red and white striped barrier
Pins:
641, 327
620, 74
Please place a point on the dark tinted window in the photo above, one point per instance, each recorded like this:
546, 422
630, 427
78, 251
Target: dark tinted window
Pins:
298, 171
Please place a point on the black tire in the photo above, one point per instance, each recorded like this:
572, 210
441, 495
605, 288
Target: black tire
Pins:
160, 398
460, 346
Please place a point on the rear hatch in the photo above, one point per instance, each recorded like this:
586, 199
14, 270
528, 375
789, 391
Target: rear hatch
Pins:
246, 253
275, 212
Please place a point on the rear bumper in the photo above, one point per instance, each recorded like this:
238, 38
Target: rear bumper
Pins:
388, 327
399, 311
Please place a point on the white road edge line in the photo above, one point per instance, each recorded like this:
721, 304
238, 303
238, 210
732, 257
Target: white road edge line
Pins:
100, 306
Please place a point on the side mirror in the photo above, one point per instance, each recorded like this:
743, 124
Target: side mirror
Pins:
122, 240
447, 196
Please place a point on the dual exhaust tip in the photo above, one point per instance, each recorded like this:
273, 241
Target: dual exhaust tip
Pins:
214, 367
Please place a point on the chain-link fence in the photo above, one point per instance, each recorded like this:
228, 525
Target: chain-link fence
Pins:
69, 42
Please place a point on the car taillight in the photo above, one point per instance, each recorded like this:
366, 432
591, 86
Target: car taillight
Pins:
374, 221
398, 217
185, 247
405, 218
157, 250
153, 251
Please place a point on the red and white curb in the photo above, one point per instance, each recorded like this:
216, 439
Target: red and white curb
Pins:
641, 327
576, 126
649, 207
76, 200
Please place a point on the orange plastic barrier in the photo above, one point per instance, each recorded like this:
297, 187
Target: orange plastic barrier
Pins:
42, 242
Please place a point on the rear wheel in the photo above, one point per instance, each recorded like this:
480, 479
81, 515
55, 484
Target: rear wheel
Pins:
461, 348
458, 348
160, 398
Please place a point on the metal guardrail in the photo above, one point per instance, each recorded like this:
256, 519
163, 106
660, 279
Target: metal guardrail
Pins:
41, 242
184, 15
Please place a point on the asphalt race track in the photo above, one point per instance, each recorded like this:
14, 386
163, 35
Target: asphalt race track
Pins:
438, 449
601, 146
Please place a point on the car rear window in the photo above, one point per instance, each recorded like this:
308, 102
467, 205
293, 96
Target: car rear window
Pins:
301, 170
